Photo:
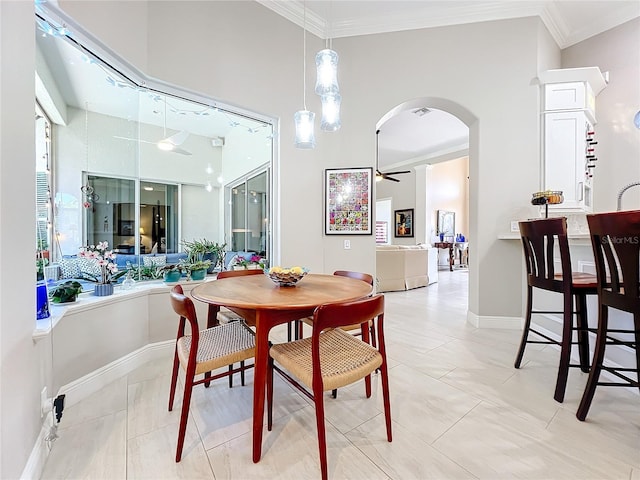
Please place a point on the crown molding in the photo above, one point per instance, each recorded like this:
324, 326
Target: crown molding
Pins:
442, 14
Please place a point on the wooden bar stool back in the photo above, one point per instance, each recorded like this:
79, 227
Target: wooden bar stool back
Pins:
615, 238
539, 240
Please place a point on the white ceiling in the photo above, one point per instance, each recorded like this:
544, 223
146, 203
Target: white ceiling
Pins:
406, 135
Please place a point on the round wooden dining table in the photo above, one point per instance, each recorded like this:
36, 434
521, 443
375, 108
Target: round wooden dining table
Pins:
265, 304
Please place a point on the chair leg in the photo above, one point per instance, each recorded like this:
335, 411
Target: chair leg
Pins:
372, 334
583, 334
318, 399
230, 376
636, 320
596, 366
270, 394
525, 331
334, 393
565, 349
174, 379
186, 400
384, 374
242, 372
367, 386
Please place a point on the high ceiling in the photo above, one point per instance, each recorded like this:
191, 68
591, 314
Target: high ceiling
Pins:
407, 135
411, 136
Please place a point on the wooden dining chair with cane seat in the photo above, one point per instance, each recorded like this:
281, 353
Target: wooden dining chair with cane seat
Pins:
355, 329
333, 358
539, 239
615, 238
204, 351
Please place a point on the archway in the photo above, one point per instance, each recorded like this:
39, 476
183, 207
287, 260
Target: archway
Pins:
420, 163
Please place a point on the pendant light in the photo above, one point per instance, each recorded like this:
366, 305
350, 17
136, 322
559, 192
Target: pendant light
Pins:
304, 120
327, 84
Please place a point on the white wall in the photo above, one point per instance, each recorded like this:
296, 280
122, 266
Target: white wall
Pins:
618, 149
483, 73
21, 364
447, 189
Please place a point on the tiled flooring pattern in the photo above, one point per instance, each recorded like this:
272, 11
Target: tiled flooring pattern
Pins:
459, 410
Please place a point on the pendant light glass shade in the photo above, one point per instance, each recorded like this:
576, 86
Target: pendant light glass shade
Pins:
330, 112
327, 72
304, 121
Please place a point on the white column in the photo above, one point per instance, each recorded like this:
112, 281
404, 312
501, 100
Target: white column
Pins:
422, 226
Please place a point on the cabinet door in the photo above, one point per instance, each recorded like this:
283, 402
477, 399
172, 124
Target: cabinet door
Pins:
564, 157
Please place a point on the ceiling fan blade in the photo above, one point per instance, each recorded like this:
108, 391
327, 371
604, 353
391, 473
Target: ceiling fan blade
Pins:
397, 173
181, 151
177, 138
134, 139
387, 177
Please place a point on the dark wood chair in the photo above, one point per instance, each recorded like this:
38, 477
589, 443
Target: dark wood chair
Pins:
332, 358
215, 314
539, 238
365, 277
615, 238
204, 351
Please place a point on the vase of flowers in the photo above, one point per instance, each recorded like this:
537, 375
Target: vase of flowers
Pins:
106, 268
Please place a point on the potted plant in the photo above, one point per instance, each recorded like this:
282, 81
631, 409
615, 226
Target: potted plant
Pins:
197, 269
171, 272
107, 270
240, 262
40, 264
205, 250
66, 292
43, 246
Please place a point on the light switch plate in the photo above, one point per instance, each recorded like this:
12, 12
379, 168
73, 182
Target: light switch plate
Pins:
347, 244
514, 226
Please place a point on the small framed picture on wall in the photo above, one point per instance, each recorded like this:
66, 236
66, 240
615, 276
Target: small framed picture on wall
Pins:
404, 223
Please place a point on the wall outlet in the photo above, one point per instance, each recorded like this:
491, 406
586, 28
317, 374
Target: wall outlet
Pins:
347, 244
514, 226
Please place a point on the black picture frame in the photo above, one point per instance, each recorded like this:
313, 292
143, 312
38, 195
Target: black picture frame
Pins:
404, 223
126, 228
348, 199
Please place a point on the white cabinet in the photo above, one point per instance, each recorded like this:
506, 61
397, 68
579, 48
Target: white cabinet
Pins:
566, 143
569, 145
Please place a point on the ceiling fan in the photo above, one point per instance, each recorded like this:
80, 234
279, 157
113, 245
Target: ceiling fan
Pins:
387, 175
167, 144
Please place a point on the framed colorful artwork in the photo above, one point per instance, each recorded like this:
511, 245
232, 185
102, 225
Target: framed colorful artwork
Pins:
348, 201
404, 222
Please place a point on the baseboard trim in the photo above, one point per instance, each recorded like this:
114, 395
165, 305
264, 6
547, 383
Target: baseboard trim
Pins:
489, 321
93, 382
40, 451
83, 387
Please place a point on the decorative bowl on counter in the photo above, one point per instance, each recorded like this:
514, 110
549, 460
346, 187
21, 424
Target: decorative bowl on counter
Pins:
286, 277
548, 197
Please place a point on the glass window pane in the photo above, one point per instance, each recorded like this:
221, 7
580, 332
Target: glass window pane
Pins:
158, 218
111, 215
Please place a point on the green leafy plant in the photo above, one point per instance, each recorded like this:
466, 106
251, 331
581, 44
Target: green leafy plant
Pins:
141, 272
196, 250
195, 265
66, 292
40, 264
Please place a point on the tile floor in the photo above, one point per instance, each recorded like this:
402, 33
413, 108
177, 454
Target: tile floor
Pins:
459, 410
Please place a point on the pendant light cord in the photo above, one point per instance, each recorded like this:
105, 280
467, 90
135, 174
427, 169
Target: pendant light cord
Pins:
304, 56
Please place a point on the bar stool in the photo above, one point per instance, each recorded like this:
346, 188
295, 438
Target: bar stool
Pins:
538, 240
615, 238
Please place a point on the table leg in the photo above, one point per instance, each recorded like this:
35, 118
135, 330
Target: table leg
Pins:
259, 382
451, 259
